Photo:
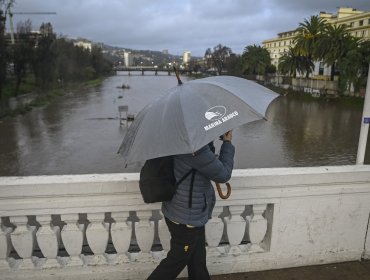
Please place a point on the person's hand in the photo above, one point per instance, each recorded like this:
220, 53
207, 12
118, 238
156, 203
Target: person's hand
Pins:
228, 136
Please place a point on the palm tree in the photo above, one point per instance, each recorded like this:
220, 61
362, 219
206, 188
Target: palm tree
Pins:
292, 62
256, 60
332, 45
354, 64
309, 33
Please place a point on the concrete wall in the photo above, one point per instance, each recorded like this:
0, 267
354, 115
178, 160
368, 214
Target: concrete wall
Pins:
275, 218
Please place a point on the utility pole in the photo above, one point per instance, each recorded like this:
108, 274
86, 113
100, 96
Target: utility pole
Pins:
364, 124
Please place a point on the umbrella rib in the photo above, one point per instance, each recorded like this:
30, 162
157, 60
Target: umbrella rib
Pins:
183, 121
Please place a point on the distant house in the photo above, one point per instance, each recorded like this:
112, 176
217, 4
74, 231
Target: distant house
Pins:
84, 44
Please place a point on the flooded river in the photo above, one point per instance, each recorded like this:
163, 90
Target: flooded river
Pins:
80, 132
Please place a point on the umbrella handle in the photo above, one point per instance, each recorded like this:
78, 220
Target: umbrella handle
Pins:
219, 190
177, 76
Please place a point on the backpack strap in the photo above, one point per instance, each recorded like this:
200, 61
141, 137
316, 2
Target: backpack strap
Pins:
191, 171
184, 177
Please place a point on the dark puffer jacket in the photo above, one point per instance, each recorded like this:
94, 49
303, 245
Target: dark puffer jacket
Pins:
208, 167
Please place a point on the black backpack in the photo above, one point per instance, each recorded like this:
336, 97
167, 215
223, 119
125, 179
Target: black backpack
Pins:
157, 180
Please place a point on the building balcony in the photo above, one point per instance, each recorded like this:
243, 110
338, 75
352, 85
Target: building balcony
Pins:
96, 226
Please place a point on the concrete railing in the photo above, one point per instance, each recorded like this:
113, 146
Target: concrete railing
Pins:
97, 226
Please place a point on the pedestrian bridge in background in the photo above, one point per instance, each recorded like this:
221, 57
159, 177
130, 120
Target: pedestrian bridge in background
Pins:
119, 70
96, 226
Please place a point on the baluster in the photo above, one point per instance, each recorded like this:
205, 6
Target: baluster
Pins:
97, 235
214, 231
164, 234
257, 227
121, 231
72, 237
4, 245
47, 240
235, 228
23, 240
144, 230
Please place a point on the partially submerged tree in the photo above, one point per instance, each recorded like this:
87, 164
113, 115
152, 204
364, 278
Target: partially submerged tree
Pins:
22, 52
5, 5
45, 56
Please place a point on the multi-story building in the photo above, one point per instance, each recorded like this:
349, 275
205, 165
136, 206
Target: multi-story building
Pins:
358, 23
186, 57
129, 59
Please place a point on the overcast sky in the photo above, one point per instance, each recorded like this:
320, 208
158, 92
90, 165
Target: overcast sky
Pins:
177, 25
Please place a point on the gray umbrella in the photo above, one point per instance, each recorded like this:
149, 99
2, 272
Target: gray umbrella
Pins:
190, 115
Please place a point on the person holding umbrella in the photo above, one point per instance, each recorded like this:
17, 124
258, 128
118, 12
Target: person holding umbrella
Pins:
191, 208
184, 120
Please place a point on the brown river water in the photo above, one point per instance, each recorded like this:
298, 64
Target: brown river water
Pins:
80, 133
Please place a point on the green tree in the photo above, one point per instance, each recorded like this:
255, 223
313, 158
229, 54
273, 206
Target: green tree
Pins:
65, 64
309, 32
256, 60
332, 45
235, 65
220, 55
5, 5
100, 64
353, 66
292, 63
22, 51
45, 56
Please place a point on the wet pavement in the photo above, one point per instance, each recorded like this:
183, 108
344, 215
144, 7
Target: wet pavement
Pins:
338, 271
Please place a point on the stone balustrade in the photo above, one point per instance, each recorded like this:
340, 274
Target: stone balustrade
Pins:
97, 226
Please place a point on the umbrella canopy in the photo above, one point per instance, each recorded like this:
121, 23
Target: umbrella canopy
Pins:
190, 115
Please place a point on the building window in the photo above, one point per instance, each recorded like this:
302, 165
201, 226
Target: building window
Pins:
368, 21
361, 23
321, 68
363, 33
351, 24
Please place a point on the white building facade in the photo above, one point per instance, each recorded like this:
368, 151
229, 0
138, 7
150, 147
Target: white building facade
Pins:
129, 59
186, 57
358, 23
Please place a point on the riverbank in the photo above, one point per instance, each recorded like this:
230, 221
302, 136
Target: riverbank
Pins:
41, 97
344, 101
